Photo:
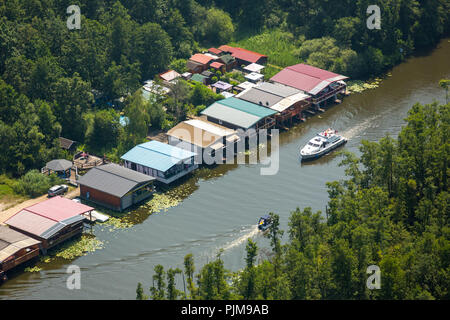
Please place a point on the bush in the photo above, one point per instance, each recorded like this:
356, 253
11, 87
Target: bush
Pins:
34, 183
179, 65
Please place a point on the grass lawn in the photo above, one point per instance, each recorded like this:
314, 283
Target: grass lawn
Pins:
278, 45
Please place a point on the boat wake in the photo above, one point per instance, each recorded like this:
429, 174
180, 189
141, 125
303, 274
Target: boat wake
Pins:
252, 232
356, 130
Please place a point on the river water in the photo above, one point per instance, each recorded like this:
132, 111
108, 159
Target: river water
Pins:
220, 206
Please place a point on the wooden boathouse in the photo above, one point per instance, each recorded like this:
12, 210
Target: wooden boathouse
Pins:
203, 138
115, 187
51, 221
288, 102
321, 85
15, 248
162, 161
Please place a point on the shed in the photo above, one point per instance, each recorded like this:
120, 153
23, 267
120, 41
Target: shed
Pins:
15, 248
51, 221
228, 60
169, 76
67, 144
186, 75
254, 77
208, 74
244, 86
222, 86
218, 66
199, 78
115, 187
164, 162
227, 94
254, 67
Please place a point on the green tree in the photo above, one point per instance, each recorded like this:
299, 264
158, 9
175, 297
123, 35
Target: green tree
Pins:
158, 290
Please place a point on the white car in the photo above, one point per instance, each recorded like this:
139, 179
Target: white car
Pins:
57, 190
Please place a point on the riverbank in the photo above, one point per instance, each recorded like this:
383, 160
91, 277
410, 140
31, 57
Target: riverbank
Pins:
218, 208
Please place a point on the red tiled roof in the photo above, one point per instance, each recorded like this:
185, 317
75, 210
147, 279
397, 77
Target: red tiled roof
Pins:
217, 65
307, 78
243, 54
201, 58
215, 50
169, 75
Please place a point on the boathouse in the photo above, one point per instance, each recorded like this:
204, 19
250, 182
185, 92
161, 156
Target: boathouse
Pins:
15, 248
320, 84
236, 114
288, 102
162, 161
51, 221
202, 137
115, 187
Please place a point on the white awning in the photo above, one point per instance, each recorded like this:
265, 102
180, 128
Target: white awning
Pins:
254, 67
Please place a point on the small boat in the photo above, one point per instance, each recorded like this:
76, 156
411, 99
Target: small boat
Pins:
264, 223
322, 144
100, 216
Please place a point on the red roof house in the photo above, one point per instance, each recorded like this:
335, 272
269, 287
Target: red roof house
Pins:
199, 62
215, 51
51, 221
244, 56
307, 78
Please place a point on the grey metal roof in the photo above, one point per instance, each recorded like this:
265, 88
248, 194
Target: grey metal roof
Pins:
47, 234
259, 97
113, 179
278, 89
59, 165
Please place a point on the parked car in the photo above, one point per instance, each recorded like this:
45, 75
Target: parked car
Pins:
57, 190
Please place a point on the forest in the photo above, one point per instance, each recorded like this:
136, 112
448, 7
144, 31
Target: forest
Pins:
76, 83
391, 210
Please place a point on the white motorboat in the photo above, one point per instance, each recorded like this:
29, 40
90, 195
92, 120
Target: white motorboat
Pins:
321, 144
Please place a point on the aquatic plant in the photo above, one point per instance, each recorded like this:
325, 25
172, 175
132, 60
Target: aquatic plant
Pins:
79, 247
33, 269
118, 223
358, 86
162, 202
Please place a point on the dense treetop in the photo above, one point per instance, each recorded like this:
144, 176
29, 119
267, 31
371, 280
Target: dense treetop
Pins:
68, 76
391, 211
